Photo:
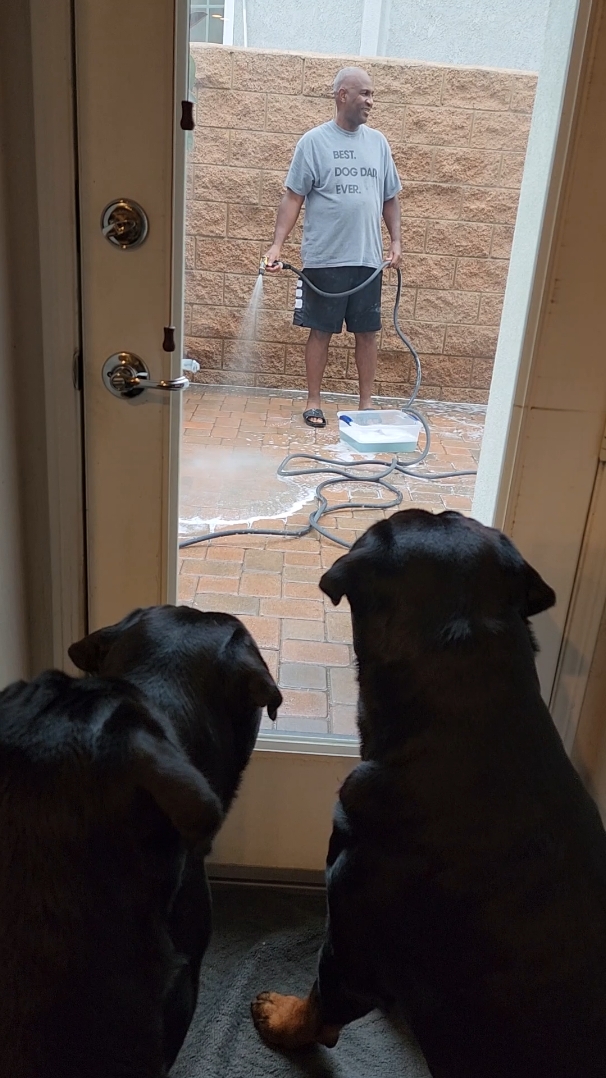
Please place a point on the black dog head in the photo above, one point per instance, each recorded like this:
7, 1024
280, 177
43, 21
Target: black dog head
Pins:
105, 782
80, 751
435, 575
203, 670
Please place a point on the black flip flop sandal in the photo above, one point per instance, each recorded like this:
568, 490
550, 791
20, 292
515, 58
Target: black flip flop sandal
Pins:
315, 418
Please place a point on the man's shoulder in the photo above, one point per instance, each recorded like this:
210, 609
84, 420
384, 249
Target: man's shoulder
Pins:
373, 133
316, 133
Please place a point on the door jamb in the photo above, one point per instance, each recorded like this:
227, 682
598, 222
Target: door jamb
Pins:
55, 132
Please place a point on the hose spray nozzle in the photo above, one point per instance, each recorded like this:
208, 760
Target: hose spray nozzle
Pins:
263, 264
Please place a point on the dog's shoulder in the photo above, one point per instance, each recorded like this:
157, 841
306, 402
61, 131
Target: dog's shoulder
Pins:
371, 798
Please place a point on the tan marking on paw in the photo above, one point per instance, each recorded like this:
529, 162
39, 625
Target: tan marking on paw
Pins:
290, 1022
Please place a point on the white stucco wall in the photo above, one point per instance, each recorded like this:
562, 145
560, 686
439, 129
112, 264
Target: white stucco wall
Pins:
471, 32
331, 26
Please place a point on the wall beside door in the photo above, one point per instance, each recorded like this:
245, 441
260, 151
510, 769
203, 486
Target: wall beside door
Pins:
13, 650
25, 576
589, 750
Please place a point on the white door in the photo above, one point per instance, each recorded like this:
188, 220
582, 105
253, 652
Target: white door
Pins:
132, 78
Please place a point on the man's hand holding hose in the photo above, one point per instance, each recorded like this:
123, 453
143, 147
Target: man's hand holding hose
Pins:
394, 255
272, 259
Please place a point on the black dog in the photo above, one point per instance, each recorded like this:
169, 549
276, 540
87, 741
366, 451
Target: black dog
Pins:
467, 865
111, 790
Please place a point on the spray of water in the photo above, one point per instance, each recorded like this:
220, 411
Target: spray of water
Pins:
249, 321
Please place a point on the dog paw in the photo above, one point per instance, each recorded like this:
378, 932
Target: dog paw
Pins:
289, 1022
284, 1021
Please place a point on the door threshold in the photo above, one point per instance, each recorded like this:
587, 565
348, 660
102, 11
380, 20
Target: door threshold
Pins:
266, 877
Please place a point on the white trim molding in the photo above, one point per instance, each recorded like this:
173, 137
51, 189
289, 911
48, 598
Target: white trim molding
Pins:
370, 32
584, 619
228, 21
282, 817
546, 407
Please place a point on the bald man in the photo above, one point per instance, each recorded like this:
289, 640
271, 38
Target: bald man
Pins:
344, 173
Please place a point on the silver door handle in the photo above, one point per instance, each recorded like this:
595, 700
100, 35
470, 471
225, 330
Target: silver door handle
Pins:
126, 376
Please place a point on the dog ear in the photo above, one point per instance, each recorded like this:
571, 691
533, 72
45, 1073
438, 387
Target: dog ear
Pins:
538, 595
529, 592
160, 767
179, 789
334, 581
89, 653
264, 691
252, 673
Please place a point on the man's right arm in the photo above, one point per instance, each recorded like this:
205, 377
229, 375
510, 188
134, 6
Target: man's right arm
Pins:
288, 212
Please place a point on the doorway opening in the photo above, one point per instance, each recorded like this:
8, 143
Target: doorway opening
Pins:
458, 135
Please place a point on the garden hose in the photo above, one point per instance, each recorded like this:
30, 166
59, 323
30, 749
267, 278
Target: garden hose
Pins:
347, 473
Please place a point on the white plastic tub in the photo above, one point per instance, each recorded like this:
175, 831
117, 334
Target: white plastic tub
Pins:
375, 431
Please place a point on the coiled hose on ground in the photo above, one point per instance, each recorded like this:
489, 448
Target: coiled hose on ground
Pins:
340, 473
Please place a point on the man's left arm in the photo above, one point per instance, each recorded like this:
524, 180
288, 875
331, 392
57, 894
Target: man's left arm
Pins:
392, 218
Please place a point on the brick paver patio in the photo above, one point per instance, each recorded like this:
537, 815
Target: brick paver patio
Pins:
232, 445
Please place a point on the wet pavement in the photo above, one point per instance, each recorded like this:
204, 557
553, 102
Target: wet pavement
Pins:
232, 445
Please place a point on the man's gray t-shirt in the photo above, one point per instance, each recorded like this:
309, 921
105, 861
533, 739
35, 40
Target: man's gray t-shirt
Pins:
346, 176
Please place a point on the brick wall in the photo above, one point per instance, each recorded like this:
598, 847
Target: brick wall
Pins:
458, 137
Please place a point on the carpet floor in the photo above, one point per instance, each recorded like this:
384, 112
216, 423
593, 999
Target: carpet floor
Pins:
268, 938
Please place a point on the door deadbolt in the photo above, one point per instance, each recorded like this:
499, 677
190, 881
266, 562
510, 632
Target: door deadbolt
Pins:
124, 223
126, 376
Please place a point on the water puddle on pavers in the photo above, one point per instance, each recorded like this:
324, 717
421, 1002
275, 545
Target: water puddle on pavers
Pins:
237, 487
223, 487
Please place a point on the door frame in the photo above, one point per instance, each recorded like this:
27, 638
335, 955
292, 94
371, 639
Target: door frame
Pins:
56, 185
548, 391
53, 90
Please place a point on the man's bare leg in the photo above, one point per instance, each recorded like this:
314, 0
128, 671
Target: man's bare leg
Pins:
316, 358
366, 362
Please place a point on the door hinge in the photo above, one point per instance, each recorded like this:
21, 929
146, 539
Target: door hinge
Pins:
187, 116
77, 374
602, 453
168, 344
